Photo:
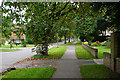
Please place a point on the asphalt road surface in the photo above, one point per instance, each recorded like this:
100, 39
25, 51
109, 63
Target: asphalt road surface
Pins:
9, 58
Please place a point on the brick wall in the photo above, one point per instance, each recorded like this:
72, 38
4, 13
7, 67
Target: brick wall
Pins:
118, 65
107, 59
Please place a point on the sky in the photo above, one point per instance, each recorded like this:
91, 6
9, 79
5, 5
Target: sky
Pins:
1, 1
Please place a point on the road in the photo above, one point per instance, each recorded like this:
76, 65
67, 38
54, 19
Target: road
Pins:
9, 58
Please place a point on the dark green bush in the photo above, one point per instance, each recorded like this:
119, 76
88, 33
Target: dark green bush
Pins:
108, 42
94, 44
17, 44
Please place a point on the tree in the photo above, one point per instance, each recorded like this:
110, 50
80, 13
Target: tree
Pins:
39, 19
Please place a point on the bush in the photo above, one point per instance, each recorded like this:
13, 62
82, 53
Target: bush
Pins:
2, 41
108, 42
24, 43
17, 44
89, 43
86, 43
95, 44
102, 43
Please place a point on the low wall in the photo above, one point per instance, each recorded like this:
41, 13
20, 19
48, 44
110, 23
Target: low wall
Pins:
118, 65
107, 59
93, 51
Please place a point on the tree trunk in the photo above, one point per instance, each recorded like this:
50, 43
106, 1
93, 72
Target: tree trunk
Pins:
45, 49
65, 39
69, 39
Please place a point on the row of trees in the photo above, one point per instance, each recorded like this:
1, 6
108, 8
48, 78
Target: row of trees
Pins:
46, 20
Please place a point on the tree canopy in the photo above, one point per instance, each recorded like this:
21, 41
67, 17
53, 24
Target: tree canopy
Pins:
43, 20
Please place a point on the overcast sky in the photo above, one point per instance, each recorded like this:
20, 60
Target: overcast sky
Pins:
1, 1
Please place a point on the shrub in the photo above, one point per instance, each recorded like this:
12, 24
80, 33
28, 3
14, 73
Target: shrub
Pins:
102, 43
89, 42
17, 44
95, 44
108, 42
2, 41
86, 43
23, 43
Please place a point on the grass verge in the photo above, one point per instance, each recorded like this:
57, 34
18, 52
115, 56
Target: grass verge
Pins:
42, 72
9, 50
67, 43
102, 49
83, 53
54, 53
97, 71
14, 46
78, 43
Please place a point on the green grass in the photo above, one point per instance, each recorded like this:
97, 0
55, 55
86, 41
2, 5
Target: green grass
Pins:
78, 43
102, 49
9, 50
97, 71
54, 53
14, 46
42, 72
83, 53
67, 43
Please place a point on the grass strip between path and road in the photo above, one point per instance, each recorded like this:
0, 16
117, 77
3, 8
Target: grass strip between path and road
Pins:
42, 72
78, 43
102, 49
97, 71
9, 50
54, 53
18, 46
67, 43
83, 53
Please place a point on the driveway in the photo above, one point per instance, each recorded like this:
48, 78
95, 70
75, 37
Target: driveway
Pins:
9, 58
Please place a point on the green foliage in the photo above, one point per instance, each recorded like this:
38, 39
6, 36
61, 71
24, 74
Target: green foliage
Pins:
23, 43
42, 72
94, 44
108, 42
97, 71
102, 43
2, 41
17, 44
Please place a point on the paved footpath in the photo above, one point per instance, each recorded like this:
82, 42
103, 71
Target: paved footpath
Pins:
68, 67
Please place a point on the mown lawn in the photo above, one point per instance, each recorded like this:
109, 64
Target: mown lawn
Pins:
83, 53
102, 49
54, 53
97, 71
14, 46
67, 43
78, 43
34, 73
9, 50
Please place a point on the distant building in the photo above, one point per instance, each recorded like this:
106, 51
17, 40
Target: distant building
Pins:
15, 38
106, 33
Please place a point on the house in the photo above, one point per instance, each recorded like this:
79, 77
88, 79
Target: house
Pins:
107, 32
14, 37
